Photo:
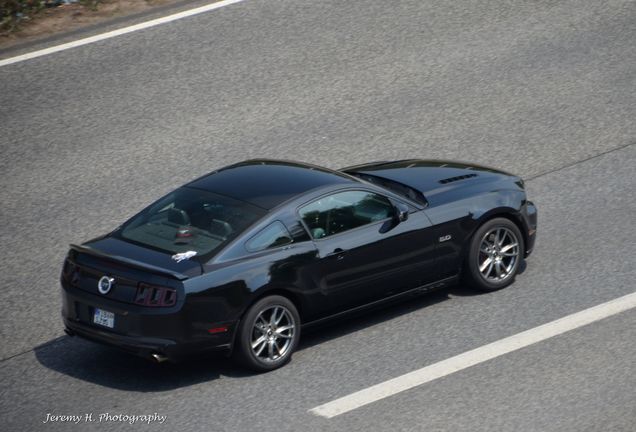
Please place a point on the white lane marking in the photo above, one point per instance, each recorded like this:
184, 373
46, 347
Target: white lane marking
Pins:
473, 357
118, 32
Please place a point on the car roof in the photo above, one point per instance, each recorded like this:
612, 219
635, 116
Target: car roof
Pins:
267, 183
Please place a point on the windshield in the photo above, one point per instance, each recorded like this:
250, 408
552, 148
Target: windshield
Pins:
190, 219
393, 186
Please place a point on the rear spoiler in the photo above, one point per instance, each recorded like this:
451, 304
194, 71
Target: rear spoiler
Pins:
130, 262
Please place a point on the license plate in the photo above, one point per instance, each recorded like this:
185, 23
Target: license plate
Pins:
104, 318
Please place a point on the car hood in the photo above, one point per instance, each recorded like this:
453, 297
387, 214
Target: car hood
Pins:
431, 177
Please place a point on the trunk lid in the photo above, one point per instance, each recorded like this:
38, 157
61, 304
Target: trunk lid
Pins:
128, 265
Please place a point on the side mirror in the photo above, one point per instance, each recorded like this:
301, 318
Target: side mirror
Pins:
401, 212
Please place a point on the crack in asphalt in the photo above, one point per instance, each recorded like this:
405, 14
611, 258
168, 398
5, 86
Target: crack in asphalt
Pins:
580, 161
527, 179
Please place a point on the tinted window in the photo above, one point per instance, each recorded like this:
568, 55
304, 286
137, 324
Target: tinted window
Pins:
344, 211
190, 220
273, 236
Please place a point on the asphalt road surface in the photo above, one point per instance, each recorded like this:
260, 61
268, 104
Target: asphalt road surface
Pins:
543, 89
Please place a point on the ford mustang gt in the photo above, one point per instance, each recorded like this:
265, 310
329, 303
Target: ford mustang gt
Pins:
241, 259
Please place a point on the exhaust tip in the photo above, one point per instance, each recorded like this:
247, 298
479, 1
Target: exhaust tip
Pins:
159, 358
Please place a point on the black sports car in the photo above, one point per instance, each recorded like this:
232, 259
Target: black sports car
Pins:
242, 258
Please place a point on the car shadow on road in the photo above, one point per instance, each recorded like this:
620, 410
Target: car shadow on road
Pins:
109, 367
358, 321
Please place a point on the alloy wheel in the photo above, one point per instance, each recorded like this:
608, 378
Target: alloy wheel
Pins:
498, 254
272, 333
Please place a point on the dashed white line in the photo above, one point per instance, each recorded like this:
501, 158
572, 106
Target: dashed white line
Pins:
474, 357
118, 32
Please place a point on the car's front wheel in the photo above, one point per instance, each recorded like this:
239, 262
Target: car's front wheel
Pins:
495, 254
268, 334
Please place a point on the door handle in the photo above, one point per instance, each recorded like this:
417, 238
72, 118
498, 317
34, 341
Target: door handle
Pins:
337, 253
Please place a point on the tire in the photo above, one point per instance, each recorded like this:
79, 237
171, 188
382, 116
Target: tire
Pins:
274, 321
493, 259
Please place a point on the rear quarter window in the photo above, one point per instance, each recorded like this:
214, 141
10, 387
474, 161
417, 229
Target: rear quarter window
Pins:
274, 235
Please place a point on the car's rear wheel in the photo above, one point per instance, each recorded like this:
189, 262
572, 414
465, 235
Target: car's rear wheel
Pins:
496, 252
268, 334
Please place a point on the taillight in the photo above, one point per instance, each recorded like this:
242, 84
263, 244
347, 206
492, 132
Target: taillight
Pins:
155, 296
71, 273
67, 269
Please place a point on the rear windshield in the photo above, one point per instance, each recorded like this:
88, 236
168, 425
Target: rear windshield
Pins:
190, 219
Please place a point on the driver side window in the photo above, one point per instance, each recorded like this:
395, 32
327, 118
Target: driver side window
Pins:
344, 211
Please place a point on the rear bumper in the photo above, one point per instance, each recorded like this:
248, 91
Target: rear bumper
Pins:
171, 335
